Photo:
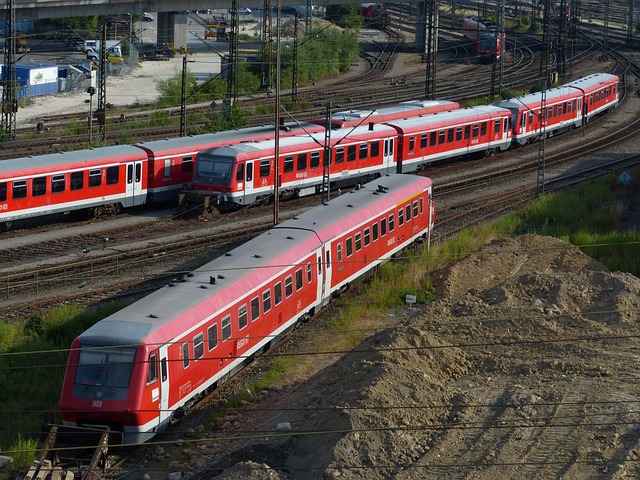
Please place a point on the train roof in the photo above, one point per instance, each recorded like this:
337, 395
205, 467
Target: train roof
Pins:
470, 113
210, 140
402, 107
357, 133
27, 166
594, 80
153, 318
534, 99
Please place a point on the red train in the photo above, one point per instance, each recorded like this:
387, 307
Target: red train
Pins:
375, 14
104, 180
398, 139
489, 40
136, 369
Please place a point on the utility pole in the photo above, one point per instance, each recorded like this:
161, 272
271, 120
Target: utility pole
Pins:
101, 111
294, 80
9, 77
276, 174
326, 161
266, 46
232, 67
545, 79
183, 98
430, 9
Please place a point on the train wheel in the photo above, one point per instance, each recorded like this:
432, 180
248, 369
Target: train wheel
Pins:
490, 152
6, 226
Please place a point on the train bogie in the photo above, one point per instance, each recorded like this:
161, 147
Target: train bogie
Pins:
138, 368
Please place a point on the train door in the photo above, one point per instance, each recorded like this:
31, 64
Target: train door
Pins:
326, 285
248, 183
134, 194
389, 158
164, 413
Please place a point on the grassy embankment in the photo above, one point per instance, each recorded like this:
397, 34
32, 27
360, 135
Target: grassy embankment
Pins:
33, 355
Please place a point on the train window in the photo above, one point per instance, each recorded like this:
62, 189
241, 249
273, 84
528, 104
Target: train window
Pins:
339, 155
564, 108
549, 112
164, 369
442, 135
243, 320
349, 247
392, 222
265, 168
523, 120
415, 209
483, 129
339, 249
113, 175
226, 327
185, 354
328, 258
496, 126
240, 173
288, 164
375, 231
450, 134
212, 336
421, 205
166, 170
475, 131
352, 153
383, 227
574, 104
319, 266
458, 133
364, 151
3, 191
424, 140
358, 241
367, 236
77, 180
530, 119
433, 139
412, 143
187, 164
467, 132
407, 211
249, 176
288, 286
58, 183
198, 347
138, 172
266, 300
315, 160
302, 161
568, 107
299, 282
19, 189
277, 293
375, 149
95, 178
309, 273
255, 308
400, 217
38, 186
152, 376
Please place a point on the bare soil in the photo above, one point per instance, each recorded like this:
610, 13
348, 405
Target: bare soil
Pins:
524, 367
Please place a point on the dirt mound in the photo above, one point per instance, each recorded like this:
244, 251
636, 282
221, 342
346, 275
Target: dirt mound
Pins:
525, 367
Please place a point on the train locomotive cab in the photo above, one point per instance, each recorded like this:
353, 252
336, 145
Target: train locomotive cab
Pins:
217, 172
106, 385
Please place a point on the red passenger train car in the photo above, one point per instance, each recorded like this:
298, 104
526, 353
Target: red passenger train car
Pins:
488, 39
136, 369
568, 106
103, 181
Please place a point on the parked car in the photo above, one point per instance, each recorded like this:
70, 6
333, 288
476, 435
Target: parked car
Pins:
204, 11
146, 17
242, 10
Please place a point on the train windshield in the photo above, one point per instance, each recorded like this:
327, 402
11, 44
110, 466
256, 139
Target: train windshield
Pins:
213, 170
488, 42
105, 367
